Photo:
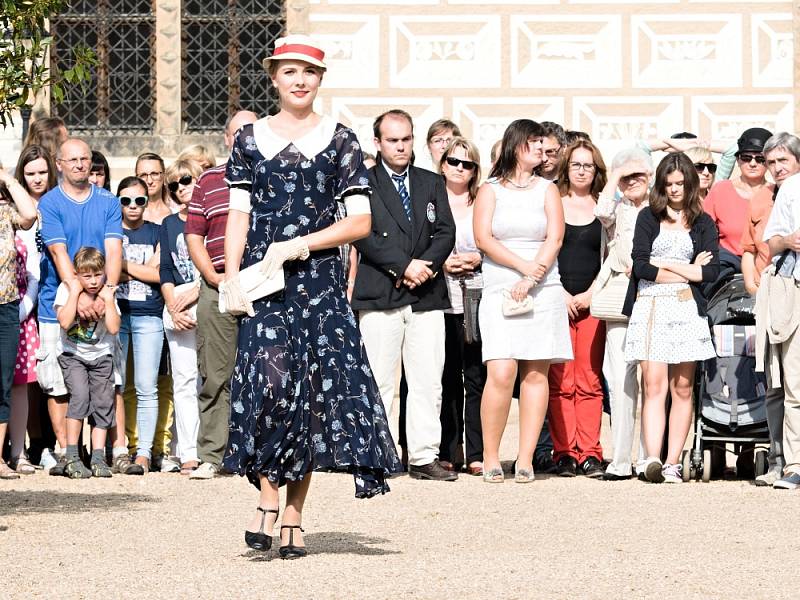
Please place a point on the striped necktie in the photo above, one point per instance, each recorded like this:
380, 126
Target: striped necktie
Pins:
400, 181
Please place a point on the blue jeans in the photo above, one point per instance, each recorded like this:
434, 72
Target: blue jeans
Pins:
146, 334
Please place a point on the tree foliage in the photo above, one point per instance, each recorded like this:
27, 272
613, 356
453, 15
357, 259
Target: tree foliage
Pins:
24, 67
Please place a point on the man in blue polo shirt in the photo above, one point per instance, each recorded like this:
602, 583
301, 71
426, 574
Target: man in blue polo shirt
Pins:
74, 214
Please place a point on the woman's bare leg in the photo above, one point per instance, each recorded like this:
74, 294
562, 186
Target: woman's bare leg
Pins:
680, 415
296, 492
655, 376
533, 397
495, 404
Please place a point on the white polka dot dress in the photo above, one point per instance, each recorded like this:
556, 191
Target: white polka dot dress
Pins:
664, 325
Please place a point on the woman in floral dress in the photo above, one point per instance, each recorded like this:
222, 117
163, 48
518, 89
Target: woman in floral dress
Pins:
302, 393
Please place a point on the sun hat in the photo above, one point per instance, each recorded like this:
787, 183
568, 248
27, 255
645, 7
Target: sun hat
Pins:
753, 140
297, 47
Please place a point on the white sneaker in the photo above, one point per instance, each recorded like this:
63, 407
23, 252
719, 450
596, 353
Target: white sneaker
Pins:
672, 473
47, 461
768, 478
204, 471
169, 466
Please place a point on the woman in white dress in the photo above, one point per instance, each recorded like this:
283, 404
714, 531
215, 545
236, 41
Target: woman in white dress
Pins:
675, 248
518, 222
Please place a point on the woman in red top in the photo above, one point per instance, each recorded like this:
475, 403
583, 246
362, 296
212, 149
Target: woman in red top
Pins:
728, 201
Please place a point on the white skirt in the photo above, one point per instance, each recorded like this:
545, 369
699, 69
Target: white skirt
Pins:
665, 328
539, 335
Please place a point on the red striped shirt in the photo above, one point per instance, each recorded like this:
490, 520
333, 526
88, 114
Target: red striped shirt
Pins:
208, 213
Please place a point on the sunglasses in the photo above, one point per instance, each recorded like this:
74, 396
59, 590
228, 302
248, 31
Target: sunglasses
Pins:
746, 158
172, 186
633, 177
454, 162
700, 167
138, 200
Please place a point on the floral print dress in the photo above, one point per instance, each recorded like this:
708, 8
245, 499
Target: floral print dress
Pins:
302, 393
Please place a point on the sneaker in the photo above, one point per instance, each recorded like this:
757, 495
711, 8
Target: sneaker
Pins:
205, 471
566, 466
653, 470
672, 473
123, 464
75, 469
100, 469
543, 463
592, 468
169, 466
433, 471
788, 482
768, 478
58, 470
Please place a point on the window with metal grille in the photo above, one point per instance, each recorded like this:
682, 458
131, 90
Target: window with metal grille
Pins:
223, 44
121, 95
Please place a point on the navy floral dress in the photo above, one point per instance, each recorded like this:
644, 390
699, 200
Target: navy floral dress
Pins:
302, 393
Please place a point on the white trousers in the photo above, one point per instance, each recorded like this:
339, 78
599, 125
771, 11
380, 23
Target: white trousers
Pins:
185, 385
416, 338
623, 392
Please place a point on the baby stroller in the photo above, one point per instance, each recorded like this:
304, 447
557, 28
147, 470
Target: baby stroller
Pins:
730, 402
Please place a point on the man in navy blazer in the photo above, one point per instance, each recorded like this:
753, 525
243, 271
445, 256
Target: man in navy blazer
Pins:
400, 289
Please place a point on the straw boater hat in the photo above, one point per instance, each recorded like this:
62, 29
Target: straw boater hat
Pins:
297, 47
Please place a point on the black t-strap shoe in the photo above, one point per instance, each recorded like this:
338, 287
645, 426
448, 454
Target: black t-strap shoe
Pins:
290, 550
260, 540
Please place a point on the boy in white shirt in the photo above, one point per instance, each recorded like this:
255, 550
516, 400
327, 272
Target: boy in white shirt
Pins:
86, 360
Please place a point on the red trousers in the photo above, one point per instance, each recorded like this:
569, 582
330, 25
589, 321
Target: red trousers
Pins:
576, 392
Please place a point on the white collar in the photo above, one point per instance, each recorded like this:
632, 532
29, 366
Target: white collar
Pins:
310, 144
391, 173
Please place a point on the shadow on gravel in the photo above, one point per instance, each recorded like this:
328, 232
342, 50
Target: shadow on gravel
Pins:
22, 503
329, 542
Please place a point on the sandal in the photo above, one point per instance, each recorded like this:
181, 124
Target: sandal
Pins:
189, 466
258, 540
494, 475
290, 550
23, 466
7, 472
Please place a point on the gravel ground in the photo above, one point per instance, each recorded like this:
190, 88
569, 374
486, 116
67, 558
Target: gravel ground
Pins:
163, 535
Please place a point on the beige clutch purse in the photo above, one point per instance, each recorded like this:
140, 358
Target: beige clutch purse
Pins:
512, 308
255, 285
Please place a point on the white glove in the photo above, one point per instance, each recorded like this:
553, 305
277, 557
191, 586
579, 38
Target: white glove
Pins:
279, 252
236, 303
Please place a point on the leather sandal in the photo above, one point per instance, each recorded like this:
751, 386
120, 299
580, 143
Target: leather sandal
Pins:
290, 551
258, 540
7, 472
23, 466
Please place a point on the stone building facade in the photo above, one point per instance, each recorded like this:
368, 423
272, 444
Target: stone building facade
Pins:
617, 69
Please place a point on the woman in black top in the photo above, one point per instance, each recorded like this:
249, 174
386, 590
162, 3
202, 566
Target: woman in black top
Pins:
576, 392
675, 248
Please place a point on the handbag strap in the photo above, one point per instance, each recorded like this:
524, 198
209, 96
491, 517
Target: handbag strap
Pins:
782, 260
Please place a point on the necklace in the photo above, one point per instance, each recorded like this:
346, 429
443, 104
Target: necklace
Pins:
520, 186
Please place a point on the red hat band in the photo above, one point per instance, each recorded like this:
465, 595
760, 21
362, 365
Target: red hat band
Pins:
299, 49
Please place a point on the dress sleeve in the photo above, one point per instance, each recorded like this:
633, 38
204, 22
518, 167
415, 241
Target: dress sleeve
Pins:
352, 174
239, 170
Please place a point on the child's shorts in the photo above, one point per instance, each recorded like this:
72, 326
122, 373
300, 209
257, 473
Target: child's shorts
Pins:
91, 388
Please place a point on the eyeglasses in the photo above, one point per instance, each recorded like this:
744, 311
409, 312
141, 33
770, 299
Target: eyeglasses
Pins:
552, 152
700, 167
746, 158
152, 175
441, 141
172, 186
74, 162
576, 166
138, 200
628, 179
454, 162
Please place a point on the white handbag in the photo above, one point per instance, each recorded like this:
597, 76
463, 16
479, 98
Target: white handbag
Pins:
255, 284
513, 308
610, 289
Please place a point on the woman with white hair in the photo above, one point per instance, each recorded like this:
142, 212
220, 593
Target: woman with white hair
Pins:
631, 171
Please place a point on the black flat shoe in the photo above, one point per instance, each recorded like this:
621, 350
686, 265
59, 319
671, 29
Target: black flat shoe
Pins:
260, 540
567, 466
614, 477
290, 550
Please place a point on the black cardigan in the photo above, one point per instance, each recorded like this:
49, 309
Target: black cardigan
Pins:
705, 239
